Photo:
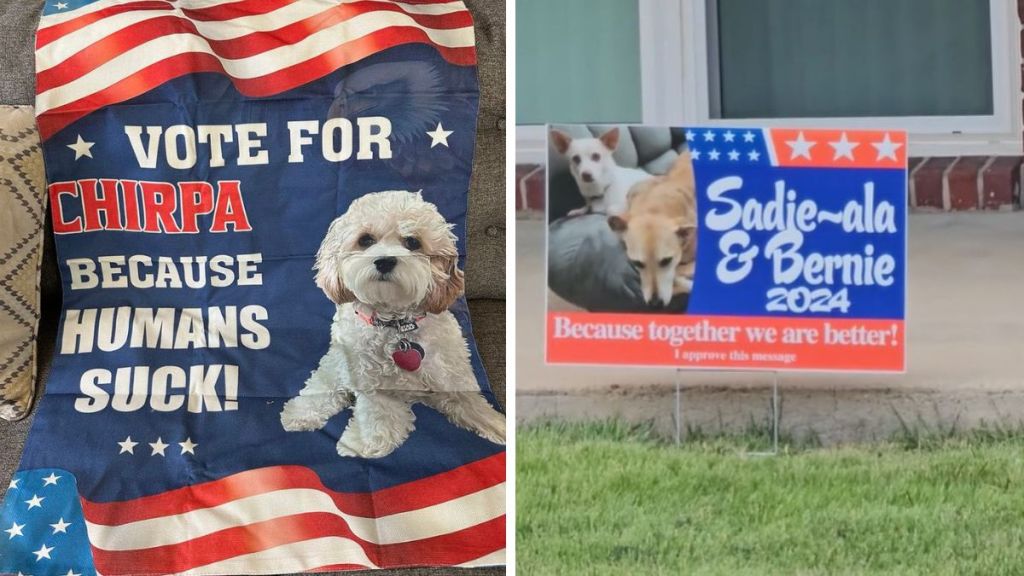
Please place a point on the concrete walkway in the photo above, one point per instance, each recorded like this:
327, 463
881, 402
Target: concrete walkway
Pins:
966, 351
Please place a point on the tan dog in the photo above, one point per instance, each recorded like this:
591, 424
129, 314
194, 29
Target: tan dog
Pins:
658, 231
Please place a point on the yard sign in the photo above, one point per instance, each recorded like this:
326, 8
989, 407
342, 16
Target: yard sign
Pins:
800, 260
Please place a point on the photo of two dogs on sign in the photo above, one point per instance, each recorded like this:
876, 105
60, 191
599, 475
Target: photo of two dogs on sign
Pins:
622, 221
390, 265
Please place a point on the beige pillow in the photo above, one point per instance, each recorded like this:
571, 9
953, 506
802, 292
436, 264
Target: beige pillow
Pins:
22, 209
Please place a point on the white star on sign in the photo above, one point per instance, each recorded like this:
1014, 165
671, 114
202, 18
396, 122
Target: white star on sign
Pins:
60, 526
801, 147
748, 136
843, 147
127, 446
35, 502
81, 148
729, 136
14, 530
188, 446
51, 480
754, 155
439, 136
713, 155
886, 148
709, 136
61, 5
158, 447
690, 135
14, 484
694, 153
734, 155
72, 573
43, 552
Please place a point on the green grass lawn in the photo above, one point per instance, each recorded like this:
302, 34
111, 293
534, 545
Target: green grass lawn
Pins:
607, 499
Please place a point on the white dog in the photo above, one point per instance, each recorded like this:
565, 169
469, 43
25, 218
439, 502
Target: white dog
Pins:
390, 264
602, 182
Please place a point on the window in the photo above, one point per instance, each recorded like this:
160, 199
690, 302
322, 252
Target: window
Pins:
947, 71
941, 69
577, 61
851, 58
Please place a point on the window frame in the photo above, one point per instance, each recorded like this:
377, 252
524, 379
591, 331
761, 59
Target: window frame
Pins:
674, 35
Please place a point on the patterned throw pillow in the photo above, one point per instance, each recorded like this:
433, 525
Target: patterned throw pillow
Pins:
22, 208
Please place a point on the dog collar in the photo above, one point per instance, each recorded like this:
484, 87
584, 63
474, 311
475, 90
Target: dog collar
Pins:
402, 324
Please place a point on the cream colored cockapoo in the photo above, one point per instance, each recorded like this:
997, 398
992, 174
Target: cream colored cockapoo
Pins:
391, 266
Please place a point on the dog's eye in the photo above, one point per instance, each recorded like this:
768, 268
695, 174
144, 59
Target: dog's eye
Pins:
412, 243
576, 159
365, 241
664, 262
595, 157
637, 264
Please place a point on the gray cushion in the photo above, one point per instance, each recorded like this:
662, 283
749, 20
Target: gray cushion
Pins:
588, 267
18, 22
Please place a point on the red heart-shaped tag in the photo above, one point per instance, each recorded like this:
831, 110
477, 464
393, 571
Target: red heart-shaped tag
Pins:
408, 359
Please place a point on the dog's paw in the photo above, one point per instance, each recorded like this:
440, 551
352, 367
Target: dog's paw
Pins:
578, 211
492, 428
359, 448
299, 416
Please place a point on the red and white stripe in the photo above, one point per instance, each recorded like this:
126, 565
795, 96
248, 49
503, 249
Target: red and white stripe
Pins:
113, 50
283, 519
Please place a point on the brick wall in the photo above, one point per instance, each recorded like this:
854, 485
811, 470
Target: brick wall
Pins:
934, 184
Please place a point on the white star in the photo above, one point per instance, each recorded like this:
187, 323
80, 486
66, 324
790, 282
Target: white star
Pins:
14, 484
694, 153
127, 446
81, 148
60, 526
734, 155
709, 136
61, 5
800, 147
158, 447
843, 147
20, 574
43, 552
188, 446
886, 148
439, 136
754, 155
51, 480
713, 155
690, 135
729, 136
748, 136
14, 530
72, 573
35, 502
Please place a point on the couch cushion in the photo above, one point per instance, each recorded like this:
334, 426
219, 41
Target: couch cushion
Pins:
22, 201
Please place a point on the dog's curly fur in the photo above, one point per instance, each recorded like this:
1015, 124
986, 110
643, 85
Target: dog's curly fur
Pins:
358, 371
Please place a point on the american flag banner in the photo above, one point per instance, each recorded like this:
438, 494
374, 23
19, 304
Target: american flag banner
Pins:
197, 153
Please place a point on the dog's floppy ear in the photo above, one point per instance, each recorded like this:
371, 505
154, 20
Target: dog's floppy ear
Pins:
618, 224
561, 140
327, 266
449, 282
611, 139
687, 234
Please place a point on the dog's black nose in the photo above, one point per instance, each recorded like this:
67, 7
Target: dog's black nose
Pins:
587, 177
386, 264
